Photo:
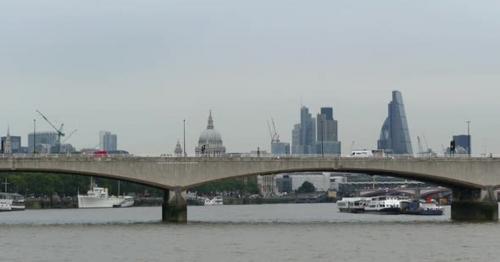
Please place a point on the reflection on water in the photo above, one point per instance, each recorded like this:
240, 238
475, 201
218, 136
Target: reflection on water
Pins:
308, 232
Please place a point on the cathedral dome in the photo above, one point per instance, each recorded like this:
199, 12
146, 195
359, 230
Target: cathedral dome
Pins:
210, 141
210, 137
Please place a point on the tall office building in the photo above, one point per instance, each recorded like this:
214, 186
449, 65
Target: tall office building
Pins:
108, 141
327, 133
280, 148
395, 135
304, 134
463, 144
45, 142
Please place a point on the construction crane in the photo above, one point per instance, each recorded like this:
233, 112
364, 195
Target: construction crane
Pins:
59, 130
275, 138
69, 136
420, 148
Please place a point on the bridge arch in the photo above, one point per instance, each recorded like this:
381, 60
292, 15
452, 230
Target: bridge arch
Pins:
420, 177
87, 174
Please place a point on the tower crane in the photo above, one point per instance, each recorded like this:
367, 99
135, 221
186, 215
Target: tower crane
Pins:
420, 148
69, 136
275, 138
59, 130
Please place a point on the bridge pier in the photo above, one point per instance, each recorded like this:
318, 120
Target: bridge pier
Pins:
174, 209
474, 205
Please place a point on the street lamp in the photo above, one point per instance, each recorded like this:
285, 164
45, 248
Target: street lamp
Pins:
469, 149
34, 136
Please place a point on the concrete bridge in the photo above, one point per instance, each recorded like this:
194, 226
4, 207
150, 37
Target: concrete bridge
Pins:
473, 180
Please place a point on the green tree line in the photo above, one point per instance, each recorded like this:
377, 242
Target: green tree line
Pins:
46, 184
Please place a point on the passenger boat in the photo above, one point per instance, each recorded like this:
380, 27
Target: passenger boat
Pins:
128, 201
5, 204
16, 202
385, 204
216, 201
98, 197
421, 207
353, 204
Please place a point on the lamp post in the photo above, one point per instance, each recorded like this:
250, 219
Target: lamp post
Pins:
469, 149
184, 144
34, 136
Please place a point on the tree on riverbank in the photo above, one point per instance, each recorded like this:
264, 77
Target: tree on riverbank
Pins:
306, 187
37, 184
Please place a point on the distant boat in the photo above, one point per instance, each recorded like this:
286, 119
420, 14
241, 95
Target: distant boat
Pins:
385, 204
216, 201
5, 204
98, 197
11, 201
353, 204
421, 207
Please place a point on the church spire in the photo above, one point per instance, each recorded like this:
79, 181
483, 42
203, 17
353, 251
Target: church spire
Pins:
210, 121
8, 143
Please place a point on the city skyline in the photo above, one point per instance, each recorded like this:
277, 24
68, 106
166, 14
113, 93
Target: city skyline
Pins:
143, 73
304, 112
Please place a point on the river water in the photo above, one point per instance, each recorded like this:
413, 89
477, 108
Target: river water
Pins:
293, 232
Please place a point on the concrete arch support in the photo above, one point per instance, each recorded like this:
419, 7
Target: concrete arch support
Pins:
474, 204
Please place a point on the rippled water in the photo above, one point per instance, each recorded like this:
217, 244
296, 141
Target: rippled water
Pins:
308, 232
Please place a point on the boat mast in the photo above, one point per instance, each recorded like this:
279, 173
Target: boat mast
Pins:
5, 185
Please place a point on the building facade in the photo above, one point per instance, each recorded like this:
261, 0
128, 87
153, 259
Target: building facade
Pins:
327, 133
395, 135
304, 134
46, 142
463, 144
280, 148
108, 141
11, 144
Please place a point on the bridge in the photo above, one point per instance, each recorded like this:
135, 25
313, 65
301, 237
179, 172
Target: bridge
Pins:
472, 180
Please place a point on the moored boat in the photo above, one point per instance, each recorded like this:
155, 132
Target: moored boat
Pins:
353, 204
385, 204
98, 197
5, 204
216, 201
421, 207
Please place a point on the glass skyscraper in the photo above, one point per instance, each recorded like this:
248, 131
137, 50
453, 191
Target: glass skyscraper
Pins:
327, 133
395, 135
304, 134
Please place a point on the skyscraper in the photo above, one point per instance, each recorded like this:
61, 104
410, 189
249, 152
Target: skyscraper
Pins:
45, 142
304, 134
327, 133
395, 135
108, 141
462, 144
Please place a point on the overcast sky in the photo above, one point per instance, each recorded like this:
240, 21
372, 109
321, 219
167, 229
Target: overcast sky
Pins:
138, 68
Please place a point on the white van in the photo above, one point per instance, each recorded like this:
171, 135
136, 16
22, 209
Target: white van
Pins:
361, 153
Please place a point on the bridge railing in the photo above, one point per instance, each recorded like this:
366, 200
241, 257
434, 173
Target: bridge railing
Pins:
241, 156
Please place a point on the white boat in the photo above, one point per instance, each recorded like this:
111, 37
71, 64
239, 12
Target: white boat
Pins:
353, 204
421, 207
98, 197
128, 201
216, 201
5, 204
16, 203
385, 204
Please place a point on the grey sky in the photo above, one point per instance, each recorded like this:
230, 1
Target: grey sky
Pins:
137, 68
